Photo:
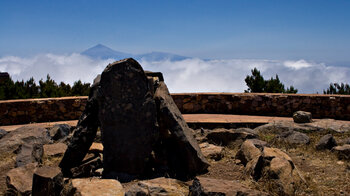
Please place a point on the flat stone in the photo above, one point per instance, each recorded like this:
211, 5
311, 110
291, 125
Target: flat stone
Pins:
343, 152
96, 147
93, 187
56, 149
227, 136
19, 180
158, 186
209, 186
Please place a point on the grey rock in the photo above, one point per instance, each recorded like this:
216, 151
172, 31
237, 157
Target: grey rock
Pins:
211, 151
326, 142
3, 133
247, 152
294, 137
59, 132
343, 152
259, 143
47, 181
228, 136
208, 186
184, 156
344, 141
29, 153
302, 117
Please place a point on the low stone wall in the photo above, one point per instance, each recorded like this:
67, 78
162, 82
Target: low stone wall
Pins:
70, 108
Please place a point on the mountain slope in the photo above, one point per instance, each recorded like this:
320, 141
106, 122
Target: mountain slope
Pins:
103, 52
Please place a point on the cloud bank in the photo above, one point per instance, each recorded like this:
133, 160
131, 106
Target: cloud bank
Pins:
189, 75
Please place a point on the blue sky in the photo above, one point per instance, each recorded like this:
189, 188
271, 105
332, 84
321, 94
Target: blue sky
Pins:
270, 29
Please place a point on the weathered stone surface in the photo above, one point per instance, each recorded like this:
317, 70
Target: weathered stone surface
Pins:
211, 151
259, 143
158, 186
208, 186
56, 149
96, 147
344, 141
93, 187
19, 180
87, 168
59, 131
83, 134
29, 153
47, 181
302, 117
277, 169
229, 136
326, 142
127, 113
247, 152
184, 156
343, 152
3, 133
294, 137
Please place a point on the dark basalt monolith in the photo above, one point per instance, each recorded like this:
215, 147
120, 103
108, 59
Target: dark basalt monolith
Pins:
128, 119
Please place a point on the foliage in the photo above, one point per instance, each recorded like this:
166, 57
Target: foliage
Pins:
257, 84
48, 88
335, 88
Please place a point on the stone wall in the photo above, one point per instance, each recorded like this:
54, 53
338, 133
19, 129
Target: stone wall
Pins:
70, 108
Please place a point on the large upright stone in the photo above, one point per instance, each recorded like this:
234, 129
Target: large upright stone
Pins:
127, 113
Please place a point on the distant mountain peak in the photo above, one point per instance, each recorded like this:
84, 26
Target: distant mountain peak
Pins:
103, 52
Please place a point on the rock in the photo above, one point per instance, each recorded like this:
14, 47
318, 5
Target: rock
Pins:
19, 180
247, 152
56, 149
209, 186
59, 131
259, 143
47, 181
344, 141
87, 168
246, 130
343, 152
294, 137
302, 117
326, 142
128, 115
3, 133
226, 136
277, 169
158, 186
211, 151
184, 156
83, 134
93, 186
29, 153
96, 148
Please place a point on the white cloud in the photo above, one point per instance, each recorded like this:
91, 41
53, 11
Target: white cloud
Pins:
190, 75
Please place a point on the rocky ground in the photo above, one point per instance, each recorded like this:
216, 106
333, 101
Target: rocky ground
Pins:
280, 158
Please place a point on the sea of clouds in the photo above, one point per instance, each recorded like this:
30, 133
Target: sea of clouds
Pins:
189, 75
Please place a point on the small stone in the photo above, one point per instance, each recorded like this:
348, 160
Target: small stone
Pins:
47, 181
96, 148
326, 142
56, 149
2, 133
294, 137
211, 151
302, 117
59, 131
343, 152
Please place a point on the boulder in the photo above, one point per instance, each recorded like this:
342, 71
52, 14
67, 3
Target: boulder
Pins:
157, 186
209, 186
211, 151
343, 152
277, 170
259, 143
3, 133
294, 137
182, 152
247, 152
56, 149
228, 136
326, 142
93, 186
29, 153
19, 180
47, 181
59, 131
128, 115
302, 117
